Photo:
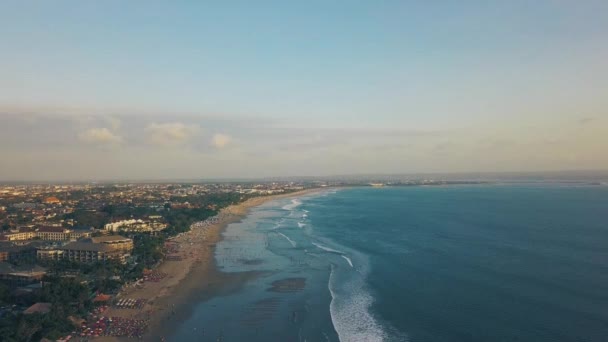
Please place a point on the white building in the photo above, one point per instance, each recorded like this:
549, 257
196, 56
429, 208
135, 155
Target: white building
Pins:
135, 225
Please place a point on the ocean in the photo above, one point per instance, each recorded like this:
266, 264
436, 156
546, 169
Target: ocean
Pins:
501, 262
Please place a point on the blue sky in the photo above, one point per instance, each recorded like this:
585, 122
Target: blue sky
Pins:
318, 79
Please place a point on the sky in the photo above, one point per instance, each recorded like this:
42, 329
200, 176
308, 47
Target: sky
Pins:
229, 89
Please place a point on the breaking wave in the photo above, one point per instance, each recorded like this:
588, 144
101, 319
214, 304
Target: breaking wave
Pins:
293, 243
349, 309
350, 262
291, 206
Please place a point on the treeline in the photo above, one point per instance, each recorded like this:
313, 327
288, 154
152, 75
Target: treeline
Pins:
180, 219
221, 199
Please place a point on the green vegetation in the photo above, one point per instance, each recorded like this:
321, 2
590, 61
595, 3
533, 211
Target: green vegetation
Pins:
68, 297
179, 220
147, 249
5, 293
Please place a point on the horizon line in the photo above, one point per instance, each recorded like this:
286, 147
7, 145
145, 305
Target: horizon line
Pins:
572, 173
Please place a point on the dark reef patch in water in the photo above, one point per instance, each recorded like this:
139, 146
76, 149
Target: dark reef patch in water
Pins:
288, 285
261, 311
251, 261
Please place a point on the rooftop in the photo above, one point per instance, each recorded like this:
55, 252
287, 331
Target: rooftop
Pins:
109, 238
38, 308
86, 246
6, 268
48, 229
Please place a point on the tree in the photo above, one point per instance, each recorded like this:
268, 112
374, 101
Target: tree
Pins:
5, 293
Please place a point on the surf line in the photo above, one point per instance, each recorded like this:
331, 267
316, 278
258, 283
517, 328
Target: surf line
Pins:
294, 203
293, 243
348, 260
327, 249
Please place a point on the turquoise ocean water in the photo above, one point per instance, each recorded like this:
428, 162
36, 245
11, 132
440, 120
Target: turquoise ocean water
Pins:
457, 263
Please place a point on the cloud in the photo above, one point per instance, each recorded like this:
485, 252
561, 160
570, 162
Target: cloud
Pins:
584, 121
99, 136
171, 133
221, 140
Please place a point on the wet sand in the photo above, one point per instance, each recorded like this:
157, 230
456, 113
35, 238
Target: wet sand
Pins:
192, 279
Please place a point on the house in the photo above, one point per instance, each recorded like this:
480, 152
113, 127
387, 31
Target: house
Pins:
18, 276
52, 200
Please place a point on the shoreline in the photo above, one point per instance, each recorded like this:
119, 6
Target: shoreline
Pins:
194, 278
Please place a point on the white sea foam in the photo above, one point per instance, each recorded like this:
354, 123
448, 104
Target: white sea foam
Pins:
293, 243
327, 193
304, 216
294, 203
278, 224
350, 262
349, 309
301, 225
325, 248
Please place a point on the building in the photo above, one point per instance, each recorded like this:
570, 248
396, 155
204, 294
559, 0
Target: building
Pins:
80, 232
49, 253
116, 242
52, 200
53, 234
47, 233
136, 225
114, 226
11, 252
19, 235
20, 276
88, 252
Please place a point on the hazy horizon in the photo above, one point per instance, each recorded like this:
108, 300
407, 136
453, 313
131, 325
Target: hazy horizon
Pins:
547, 176
141, 91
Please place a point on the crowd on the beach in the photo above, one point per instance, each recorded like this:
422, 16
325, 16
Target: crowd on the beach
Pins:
114, 326
171, 247
100, 309
208, 222
196, 234
155, 276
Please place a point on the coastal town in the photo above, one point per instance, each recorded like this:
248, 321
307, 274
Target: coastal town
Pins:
79, 261
103, 261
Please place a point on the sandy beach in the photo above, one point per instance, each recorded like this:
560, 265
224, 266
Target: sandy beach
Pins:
189, 278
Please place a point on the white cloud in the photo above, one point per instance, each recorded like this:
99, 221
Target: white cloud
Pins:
99, 136
221, 140
170, 134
